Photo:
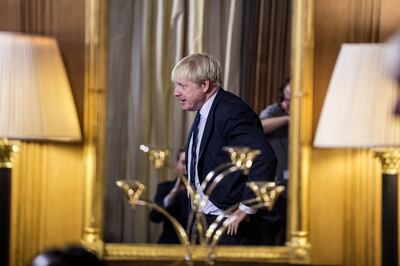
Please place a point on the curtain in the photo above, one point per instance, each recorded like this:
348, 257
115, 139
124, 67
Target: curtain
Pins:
223, 38
265, 50
146, 39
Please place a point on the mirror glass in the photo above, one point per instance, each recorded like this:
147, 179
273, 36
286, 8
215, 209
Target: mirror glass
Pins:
250, 39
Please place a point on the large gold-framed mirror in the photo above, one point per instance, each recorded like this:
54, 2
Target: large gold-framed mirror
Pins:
297, 246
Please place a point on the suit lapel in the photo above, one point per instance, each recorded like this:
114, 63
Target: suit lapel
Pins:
209, 123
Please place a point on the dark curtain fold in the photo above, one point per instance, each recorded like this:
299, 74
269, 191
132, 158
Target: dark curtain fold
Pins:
265, 51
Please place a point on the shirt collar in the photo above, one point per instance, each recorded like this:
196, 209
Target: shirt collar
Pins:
205, 109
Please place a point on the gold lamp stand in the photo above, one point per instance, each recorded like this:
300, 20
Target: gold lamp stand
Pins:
7, 150
390, 160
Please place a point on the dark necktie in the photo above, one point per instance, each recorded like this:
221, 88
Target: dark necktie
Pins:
194, 147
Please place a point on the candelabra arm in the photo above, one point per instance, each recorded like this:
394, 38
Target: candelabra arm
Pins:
220, 176
266, 196
213, 173
189, 187
133, 199
215, 232
177, 226
196, 216
212, 229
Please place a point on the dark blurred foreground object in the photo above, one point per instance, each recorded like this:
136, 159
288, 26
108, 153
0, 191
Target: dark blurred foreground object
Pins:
393, 64
71, 256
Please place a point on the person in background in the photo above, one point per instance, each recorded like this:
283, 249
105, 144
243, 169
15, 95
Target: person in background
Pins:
172, 196
222, 119
275, 122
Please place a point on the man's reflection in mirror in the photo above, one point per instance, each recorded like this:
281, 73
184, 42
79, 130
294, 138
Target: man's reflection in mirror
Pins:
275, 121
222, 119
172, 196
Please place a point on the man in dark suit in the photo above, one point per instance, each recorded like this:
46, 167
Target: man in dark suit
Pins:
222, 119
172, 196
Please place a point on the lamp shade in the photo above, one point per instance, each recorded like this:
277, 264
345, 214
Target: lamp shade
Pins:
36, 101
358, 108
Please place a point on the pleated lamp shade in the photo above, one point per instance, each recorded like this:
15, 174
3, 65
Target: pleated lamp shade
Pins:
358, 108
36, 101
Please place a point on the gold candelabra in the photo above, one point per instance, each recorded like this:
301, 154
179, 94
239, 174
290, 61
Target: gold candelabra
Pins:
266, 194
133, 192
157, 156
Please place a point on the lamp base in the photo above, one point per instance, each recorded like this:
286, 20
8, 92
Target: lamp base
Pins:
7, 151
390, 160
389, 220
5, 212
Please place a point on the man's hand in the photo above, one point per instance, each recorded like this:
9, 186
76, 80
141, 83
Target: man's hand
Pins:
174, 191
234, 220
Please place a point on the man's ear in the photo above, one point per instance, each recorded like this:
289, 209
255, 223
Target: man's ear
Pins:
206, 86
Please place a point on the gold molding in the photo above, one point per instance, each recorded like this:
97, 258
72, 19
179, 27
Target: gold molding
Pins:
390, 160
299, 247
94, 123
300, 132
177, 252
297, 250
7, 152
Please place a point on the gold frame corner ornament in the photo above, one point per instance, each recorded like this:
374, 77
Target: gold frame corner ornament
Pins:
7, 152
91, 239
298, 248
390, 160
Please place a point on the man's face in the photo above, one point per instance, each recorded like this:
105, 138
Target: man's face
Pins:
286, 98
181, 164
190, 95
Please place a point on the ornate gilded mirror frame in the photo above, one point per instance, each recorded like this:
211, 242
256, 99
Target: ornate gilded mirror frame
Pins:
297, 249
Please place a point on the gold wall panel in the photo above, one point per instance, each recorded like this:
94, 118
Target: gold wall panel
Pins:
47, 198
345, 184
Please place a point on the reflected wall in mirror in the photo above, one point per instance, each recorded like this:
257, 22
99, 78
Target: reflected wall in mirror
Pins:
150, 112
251, 40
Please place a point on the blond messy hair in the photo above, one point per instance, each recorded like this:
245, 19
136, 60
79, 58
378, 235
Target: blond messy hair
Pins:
197, 68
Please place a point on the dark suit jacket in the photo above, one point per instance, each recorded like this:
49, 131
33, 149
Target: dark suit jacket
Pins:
178, 208
231, 122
